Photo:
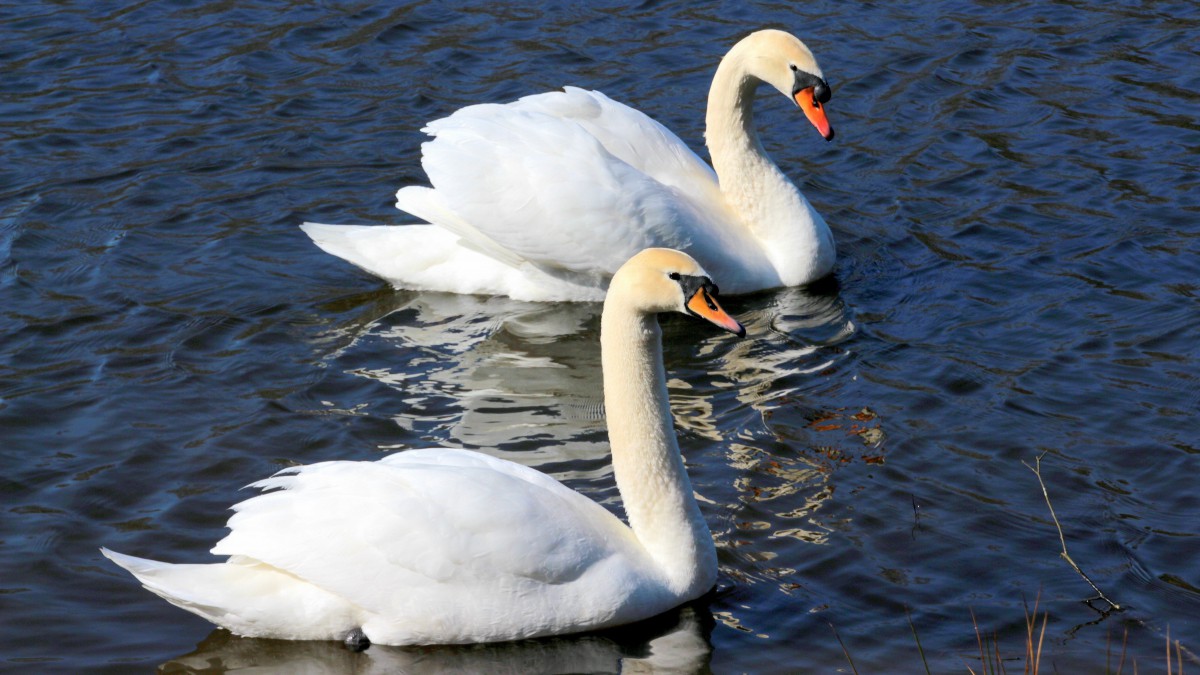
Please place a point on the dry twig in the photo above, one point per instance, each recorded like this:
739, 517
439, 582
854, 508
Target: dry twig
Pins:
1037, 471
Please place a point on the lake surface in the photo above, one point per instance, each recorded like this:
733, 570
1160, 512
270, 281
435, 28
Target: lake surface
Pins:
1015, 193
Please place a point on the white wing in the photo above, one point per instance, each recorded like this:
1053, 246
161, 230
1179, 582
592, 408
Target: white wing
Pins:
573, 183
442, 545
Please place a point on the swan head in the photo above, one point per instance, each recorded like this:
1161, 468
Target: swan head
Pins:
783, 61
665, 280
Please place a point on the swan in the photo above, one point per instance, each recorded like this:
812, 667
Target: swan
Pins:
446, 546
544, 198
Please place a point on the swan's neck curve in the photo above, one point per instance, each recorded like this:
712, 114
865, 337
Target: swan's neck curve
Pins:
650, 474
794, 236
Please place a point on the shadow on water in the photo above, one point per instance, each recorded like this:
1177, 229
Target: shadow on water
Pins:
675, 642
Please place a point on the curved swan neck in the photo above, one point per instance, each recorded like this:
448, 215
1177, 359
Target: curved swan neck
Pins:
649, 469
794, 236
729, 123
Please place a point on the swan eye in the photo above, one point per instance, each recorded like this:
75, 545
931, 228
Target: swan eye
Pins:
793, 67
675, 276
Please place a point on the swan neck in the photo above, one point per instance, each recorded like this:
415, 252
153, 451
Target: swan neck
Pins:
649, 469
729, 122
759, 195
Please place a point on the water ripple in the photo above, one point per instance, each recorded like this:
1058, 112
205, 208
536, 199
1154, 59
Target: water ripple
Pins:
1014, 194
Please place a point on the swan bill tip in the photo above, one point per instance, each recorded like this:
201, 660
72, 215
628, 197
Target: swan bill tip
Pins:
814, 110
703, 304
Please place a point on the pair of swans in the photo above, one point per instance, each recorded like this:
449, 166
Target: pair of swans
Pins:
544, 198
443, 546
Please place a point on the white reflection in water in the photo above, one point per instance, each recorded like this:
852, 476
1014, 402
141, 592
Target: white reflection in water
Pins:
513, 378
523, 379
678, 643
519, 372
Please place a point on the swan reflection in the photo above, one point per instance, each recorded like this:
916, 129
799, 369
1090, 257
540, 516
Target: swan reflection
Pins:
525, 377
522, 378
676, 642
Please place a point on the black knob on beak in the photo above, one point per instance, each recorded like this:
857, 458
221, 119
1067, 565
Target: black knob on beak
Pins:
821, 91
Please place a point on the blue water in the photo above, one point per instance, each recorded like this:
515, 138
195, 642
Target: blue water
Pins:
1013, 189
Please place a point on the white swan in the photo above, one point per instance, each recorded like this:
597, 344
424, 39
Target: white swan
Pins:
544, 198
444, 546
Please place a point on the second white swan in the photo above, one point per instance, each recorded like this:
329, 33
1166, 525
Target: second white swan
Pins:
545, 197
444, 546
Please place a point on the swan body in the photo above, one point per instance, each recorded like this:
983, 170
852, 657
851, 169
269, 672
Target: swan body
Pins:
443, 546
545, 197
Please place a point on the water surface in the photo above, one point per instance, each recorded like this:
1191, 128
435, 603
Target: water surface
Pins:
1013, 189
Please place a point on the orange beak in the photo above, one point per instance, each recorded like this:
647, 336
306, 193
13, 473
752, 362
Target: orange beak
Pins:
705, 306
814, 111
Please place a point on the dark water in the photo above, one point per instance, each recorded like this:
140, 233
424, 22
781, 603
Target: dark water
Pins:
1014, 192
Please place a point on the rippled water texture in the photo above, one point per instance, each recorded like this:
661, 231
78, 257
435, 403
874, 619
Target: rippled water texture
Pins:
1013, 189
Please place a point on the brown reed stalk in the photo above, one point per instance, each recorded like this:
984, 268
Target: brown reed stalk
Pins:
916, 637
844, 650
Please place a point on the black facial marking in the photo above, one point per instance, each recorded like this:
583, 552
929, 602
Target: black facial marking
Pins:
692, 284
821, 90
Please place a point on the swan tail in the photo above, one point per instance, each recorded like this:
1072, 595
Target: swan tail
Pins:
247, 597
431, 258
400, 254
427, 204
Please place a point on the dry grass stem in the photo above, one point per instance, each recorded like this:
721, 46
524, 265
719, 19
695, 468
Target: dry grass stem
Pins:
1124, 647
916, 637
1037, 662
1033, 656
844, 650
978, 639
